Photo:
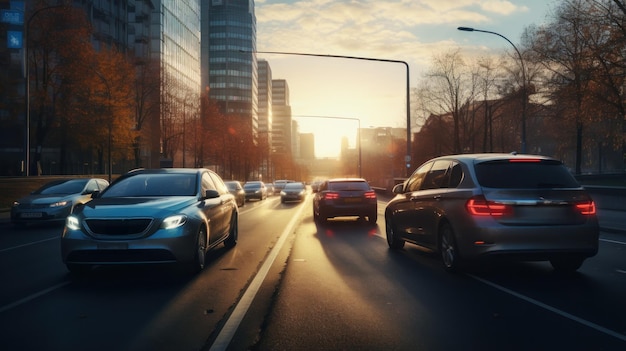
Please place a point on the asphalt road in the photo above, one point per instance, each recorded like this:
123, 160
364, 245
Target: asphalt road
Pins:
292, 285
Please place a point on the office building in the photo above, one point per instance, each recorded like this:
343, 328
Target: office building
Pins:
229, 58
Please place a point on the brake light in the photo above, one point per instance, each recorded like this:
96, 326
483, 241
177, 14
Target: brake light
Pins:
586, 208
331, 196
479, 206
370, 195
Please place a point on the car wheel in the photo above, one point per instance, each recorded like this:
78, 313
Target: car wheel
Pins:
233, 232
567, 264
372, 218
448, 249
200, 256
394, 242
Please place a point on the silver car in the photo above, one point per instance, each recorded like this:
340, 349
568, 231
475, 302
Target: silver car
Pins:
152, 216
469, 207
54, 201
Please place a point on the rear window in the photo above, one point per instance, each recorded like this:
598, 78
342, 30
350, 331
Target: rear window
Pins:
524, 175
348, 185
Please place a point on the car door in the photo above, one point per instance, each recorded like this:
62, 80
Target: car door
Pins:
402, 207
213, 209
228, 203
428, 202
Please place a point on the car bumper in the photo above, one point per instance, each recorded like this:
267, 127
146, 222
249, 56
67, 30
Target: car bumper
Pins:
528, 243
39, 216
330, 211
163, 246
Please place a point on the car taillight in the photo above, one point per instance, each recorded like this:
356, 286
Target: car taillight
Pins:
586, 208
479, 206
331, 196
370, 195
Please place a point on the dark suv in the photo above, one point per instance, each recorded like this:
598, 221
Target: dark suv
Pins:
345, 197
468, 207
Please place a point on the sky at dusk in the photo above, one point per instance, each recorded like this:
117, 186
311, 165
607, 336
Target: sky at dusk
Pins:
372, 93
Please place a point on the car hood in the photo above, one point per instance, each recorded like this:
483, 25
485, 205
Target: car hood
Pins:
45, 199
135, 206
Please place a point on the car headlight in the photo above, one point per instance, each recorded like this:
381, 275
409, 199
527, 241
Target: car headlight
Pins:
59, 204
282, 193
173, 221
72, 223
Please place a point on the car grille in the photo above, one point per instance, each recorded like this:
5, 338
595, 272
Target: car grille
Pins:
126, 226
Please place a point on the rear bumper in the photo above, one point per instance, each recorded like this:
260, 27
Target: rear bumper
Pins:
529, 243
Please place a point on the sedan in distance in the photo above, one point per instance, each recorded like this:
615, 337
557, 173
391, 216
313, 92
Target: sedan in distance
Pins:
54, 201
295, 191
152, 216
255, 190
236, 189
469, 207
345, 197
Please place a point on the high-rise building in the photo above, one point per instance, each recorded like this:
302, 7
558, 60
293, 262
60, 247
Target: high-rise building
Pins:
175, 45
229, 56
281, 117
265, 117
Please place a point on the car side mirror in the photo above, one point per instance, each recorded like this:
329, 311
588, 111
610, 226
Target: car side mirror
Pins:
211, 194
398, 189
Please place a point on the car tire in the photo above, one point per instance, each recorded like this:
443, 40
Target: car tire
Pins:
393, 240
233, 232
372, 218
199, 257
448, 249
567, 264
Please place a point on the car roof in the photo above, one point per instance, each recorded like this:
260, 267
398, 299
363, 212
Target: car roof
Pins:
347, 179
167, 170
482, 157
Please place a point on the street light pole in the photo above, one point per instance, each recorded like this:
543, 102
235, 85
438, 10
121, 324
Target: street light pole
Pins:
407, 157
521, 60
27, 88
358, 132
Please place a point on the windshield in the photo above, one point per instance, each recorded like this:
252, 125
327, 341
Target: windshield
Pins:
294, 186
63, 187
252, 186
153, 185
524, 175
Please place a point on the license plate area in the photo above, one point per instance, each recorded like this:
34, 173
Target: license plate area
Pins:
112, 246
31, 215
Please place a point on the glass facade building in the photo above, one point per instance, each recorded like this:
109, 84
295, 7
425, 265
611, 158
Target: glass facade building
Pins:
229, 54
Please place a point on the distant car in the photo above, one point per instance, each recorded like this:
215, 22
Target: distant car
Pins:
345, 197
279, 185
255, 190
315, 186
236, 189
170, 215
295, 191
467, 207
270, 189
54, 201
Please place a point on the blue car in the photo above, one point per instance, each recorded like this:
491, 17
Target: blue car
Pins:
152, 216
54, 201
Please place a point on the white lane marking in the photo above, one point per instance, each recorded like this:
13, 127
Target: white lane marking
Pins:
33, 243
552, 309
231, 325
613, 241
32, 297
